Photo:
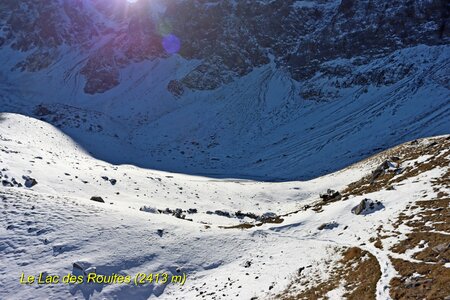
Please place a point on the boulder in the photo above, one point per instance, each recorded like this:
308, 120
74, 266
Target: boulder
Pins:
97, 199
167, 211
78, 266
149, 209
222, 213
178, 213
267, 216
358, 209
29, 182
14, 182
381, 169
367, 206
192, 211
415, 282
331, 195
6, 183
328, 226
441, 247
240, 215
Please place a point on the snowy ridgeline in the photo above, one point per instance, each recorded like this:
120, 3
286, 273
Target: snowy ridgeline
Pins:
66, 212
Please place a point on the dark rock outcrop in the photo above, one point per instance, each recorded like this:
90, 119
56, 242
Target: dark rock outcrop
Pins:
367, 206
29, 181
240, 215
383, 168
175, 88
97, 199
229, 38
331, 195
328, 226
192, 211
42, 110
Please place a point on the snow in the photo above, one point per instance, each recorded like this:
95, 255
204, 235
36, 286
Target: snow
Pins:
51, 226
256, 144
281, 136
337, 293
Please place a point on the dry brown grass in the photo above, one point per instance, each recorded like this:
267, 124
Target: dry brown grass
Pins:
405, 152
358, 271
434, 252
433, 282
402, 153
424, 218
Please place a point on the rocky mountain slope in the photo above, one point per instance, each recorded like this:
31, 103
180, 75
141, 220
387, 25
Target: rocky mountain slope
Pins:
248, 89
168, 139
229, 37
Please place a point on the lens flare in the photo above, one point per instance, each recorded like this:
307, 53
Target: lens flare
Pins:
171, 44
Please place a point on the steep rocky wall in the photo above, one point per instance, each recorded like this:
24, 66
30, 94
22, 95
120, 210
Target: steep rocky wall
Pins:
230, 38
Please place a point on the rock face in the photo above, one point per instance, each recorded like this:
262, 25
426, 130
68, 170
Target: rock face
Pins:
230, 71
230, 38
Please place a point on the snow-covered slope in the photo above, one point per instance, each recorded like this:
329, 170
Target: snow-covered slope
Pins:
269, 90
255, 127
54, 227
236, 144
